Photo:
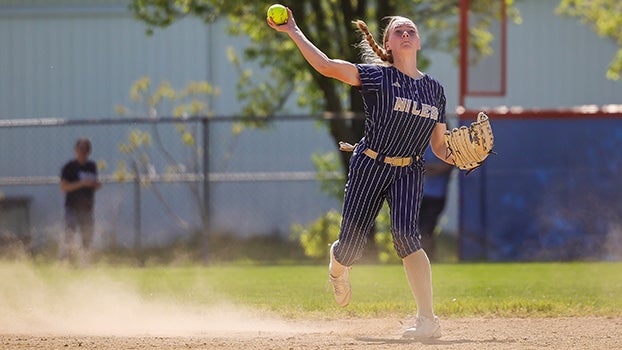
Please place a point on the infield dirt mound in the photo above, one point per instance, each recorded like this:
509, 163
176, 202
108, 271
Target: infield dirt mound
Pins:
355, 334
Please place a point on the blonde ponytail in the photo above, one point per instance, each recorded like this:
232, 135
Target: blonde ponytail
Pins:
371, 52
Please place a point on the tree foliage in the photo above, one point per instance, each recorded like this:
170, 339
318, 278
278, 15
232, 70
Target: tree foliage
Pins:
328, 24
148, 156
605, 18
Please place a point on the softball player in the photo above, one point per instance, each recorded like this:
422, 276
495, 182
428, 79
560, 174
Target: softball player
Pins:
405, 111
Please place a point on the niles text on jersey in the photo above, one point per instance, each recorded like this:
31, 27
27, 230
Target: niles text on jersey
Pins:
408, 105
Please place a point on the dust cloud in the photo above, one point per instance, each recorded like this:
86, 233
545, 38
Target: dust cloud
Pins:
97, 305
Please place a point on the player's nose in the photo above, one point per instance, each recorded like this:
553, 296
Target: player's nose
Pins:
405, 34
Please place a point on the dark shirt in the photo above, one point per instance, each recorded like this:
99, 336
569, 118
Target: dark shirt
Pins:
435, 186
82, 198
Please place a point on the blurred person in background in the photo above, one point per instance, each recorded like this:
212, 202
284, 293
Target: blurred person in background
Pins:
435, 185
79, 182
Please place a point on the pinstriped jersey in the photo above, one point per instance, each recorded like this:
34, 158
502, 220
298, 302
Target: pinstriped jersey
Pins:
400, 111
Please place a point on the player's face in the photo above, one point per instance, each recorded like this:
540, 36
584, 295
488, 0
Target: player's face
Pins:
83, 149
403, 36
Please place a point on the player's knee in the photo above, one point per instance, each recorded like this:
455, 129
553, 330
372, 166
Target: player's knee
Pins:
348, 251
407, 244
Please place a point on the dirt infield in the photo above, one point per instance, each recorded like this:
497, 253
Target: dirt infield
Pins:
471, 333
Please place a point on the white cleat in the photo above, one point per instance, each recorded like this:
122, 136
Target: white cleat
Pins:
342, 289
424, 328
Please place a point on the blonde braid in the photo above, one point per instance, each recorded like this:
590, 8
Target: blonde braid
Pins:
370, 50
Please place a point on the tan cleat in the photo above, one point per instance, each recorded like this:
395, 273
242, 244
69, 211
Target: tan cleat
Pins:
342, 289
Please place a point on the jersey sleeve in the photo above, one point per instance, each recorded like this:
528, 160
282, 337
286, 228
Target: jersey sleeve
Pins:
371, 77
93, 168
442, 103
66, 173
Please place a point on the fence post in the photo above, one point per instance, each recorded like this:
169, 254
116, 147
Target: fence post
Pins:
206, 208
137, 212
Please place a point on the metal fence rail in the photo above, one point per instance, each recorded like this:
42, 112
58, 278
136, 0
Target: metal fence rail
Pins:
165, 177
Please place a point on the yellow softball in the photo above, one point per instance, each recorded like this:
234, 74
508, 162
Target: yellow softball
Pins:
278, 13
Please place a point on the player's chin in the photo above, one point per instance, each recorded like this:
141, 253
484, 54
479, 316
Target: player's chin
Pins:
407, 48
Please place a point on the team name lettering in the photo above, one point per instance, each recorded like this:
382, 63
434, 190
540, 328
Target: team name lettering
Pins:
410, 106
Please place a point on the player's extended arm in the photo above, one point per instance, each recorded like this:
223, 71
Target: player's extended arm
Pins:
437, 142
67, 186
333, 68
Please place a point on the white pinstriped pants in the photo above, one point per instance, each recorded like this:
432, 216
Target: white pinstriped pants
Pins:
369, 184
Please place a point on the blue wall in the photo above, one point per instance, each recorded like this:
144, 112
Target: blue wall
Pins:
553, 192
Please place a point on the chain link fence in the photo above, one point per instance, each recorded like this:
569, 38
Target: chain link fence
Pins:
168, 178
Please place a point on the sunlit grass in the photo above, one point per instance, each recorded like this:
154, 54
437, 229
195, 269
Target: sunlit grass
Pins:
460, 290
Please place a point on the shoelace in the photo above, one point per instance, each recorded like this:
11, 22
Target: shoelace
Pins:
338, 284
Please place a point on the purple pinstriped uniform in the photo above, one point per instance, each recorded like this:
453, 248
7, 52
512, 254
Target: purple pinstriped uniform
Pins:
401, 113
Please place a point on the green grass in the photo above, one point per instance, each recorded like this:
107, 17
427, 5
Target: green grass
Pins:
460, 290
